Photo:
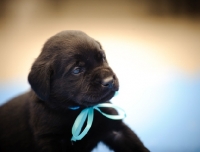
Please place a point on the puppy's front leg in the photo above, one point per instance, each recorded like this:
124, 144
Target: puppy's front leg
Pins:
124, 139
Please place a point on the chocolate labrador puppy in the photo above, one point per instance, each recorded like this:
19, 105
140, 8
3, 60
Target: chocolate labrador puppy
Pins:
71, 71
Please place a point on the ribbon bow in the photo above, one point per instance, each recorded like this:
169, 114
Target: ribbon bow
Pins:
89, 114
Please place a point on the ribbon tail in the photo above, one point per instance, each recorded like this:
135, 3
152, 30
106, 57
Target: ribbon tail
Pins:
78, 124
89, 124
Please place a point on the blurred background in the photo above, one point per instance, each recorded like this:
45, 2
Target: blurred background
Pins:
153, 46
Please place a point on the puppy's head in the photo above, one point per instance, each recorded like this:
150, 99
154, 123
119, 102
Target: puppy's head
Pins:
72, 70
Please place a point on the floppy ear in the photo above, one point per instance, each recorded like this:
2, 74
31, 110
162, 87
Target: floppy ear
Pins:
39, 79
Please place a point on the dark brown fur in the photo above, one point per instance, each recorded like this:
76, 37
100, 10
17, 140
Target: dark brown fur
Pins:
71, 70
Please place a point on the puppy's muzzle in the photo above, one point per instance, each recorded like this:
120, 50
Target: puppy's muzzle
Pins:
106, 79
108, 82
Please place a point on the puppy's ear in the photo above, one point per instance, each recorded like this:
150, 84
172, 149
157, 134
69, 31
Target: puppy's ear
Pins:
39, 79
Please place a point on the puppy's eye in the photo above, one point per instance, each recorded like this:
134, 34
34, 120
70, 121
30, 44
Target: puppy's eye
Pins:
77, 70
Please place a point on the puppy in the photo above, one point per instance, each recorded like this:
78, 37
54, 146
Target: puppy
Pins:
70, 71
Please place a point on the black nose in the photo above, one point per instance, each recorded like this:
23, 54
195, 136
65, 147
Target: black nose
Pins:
108, 82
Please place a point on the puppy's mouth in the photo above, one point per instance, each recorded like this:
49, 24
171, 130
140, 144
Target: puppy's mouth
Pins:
96, 99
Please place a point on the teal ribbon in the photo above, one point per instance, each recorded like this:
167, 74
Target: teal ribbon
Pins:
88, 113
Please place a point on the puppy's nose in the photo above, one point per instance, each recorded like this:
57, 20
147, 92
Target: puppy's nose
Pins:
107, 82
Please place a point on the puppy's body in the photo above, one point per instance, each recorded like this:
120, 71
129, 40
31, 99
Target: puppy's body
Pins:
71, 71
